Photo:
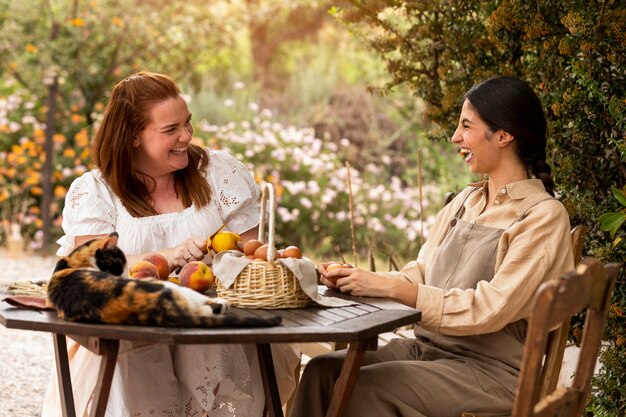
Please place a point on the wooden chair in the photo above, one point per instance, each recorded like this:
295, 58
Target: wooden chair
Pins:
588, 288
557, 339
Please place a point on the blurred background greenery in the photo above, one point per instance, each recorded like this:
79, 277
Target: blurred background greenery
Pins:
297, 88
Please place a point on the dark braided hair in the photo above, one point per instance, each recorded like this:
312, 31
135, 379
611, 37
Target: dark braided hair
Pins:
509, 104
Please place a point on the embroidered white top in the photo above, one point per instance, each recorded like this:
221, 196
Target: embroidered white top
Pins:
91, 208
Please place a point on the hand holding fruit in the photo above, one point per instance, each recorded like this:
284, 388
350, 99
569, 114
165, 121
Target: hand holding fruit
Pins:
329, 277
192, 249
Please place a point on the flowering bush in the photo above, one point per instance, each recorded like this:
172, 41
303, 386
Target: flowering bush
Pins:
312, 186
22, 158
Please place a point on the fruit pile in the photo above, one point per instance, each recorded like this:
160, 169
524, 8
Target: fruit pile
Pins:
257, 251
197, 275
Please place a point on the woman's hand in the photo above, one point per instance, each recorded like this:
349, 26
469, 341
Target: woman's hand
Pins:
363, 283
192, 249
353, 281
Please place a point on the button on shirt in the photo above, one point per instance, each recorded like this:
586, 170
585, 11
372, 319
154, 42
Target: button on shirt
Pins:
533, 250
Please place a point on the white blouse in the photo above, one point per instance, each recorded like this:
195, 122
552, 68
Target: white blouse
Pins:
159, 380
91, 208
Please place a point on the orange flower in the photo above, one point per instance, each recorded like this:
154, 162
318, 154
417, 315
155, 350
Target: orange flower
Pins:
36, 191
69, 153
116, 21
77, 22
58, 138
31, 49
59, 191
81, 138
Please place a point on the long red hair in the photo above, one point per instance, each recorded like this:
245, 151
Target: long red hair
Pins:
125, 116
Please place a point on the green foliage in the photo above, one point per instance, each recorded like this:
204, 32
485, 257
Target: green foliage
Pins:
573, 53
611, 222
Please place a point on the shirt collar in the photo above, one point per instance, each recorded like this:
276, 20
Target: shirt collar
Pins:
516, 190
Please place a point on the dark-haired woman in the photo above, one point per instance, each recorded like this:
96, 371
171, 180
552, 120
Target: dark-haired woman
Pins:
474, 279
164, 194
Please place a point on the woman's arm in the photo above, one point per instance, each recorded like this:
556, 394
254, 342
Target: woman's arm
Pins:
363, 283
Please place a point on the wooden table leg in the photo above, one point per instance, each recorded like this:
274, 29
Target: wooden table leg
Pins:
108, 349
270, 388
347, 378
64, 379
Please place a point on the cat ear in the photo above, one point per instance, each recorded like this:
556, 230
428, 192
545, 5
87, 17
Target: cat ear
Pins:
111, 241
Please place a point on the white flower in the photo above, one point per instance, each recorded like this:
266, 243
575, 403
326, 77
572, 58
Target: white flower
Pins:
306, 203
229, 103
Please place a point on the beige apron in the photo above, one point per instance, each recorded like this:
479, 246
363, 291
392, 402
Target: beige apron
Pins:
433, 375
466, 256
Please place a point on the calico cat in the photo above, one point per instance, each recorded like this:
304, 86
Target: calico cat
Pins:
88, 286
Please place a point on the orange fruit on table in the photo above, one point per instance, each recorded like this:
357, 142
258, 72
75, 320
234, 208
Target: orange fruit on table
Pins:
143, 269
196, 275
161, 264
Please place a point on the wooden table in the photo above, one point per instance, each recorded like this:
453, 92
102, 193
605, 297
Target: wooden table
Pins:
358, 324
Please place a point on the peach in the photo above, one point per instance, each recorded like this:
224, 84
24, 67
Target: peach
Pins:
250, 246
196, 275
161, 263
292, 252
142, 270
261, 252
333, 266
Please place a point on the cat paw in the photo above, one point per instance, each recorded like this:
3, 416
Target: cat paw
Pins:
219, 305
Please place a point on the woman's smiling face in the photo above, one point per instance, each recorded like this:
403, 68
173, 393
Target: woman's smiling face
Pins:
474, 139
161, 147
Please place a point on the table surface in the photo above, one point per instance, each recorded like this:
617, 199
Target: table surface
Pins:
365, 320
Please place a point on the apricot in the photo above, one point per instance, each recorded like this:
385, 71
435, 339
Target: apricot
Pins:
161, 264
333, 266
292, 252
261, 252
223, 241
196, 275
250, 246
143, 270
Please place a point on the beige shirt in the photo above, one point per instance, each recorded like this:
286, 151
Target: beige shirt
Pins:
531, 251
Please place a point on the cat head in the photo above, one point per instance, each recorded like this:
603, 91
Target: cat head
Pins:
99, 253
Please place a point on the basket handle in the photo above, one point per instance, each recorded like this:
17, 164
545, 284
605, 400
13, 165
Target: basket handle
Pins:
267, 190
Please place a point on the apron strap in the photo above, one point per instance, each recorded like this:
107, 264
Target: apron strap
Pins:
461, 210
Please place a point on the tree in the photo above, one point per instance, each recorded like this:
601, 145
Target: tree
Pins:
71, 53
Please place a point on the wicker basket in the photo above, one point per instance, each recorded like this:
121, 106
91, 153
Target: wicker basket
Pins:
269, 284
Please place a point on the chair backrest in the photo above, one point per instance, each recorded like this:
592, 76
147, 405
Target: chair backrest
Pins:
588, 289
558, 337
